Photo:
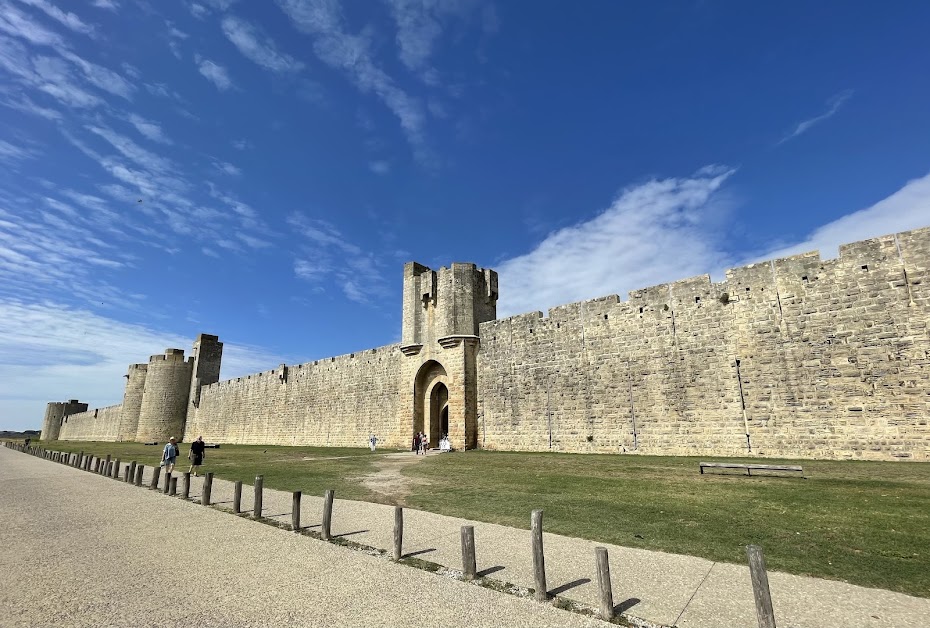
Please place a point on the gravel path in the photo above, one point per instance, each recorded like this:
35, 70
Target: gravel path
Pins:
84, 550
665, 589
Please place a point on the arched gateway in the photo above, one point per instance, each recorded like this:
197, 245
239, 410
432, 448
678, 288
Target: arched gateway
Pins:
431, 402
442, 311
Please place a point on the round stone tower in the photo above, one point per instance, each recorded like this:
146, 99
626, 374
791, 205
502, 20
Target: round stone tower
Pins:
55, 414
132, 402
51, 425
163, 411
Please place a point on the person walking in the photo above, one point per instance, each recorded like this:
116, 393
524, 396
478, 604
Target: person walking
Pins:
373, 441
196, 454
423, 443
416, 443
170, 455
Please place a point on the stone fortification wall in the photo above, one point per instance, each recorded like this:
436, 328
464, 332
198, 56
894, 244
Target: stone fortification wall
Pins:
163, 410
793, 357
337, 401
97, 424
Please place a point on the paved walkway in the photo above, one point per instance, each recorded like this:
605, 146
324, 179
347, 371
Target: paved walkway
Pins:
666, 589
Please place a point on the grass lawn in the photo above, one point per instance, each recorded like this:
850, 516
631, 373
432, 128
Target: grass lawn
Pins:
867, 523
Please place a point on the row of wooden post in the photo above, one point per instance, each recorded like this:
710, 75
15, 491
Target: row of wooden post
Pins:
133, 473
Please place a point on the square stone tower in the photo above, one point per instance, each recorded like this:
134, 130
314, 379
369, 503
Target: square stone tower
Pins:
441, 313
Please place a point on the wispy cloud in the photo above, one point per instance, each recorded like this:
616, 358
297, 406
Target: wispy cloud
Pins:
111, 5
380, 167
52, 350
350, 53
68, 19
149, 129
906, 209
215, 73
833, 105
258, 48
227, 168
327, 254
625, 247
14, 152
628, 245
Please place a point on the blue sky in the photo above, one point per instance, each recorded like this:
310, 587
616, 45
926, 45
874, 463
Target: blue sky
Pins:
262, 170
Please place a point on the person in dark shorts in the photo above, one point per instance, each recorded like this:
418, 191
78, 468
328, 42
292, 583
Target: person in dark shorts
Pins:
195, 455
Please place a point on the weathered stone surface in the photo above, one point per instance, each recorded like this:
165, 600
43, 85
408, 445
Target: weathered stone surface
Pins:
799, 357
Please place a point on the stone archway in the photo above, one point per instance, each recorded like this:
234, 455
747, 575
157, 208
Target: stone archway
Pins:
438, 413
431, 402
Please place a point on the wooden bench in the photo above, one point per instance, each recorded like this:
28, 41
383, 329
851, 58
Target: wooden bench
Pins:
750, 467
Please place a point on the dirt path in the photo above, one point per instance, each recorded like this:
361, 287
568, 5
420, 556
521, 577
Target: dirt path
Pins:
389, 482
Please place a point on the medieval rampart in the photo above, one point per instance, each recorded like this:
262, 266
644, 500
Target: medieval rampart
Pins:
794, 357
97, 424
829, 358
338, 401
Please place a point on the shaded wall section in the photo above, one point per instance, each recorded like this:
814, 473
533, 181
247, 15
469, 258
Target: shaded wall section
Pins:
333, 402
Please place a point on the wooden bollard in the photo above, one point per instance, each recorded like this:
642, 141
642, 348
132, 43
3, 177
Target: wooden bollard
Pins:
167, 481
173, 489
106, 465
237, 497
469, 566
156, 474
132, 471
295, 511
97, 465
257, 503
326, 532
539, 559
207, 488
139, 470
398, 532
80, 460
605, 590
126, 474
116, 469
760, 587
186, 485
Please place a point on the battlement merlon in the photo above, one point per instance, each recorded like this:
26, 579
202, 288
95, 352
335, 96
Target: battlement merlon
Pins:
446, 302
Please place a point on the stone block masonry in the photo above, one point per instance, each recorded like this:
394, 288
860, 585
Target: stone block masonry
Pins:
795, 357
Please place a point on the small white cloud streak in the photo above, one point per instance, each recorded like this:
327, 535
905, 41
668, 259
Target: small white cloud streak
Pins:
148, 129
70, 20
258, 49
350, 53
216, 74
833, 105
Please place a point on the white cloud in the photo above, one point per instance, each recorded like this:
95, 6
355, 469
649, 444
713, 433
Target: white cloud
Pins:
65, 18
149, 129
242, 144
667, 230
227, 168
51, 352
13, 152
906, 209
350, 53
215, 73
257, 48
625, 247
111, 5
380, 167
833, 105
15, 22
417, 29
